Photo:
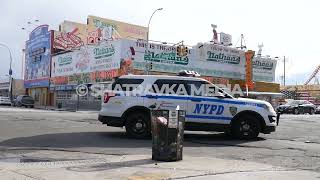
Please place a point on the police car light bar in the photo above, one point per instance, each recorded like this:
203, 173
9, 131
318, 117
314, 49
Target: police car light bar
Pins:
188, 73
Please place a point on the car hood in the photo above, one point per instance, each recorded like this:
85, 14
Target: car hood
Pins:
248, 100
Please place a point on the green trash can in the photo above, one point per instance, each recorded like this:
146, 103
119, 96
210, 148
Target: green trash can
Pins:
167, 134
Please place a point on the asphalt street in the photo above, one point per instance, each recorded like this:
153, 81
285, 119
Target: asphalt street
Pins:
295, 144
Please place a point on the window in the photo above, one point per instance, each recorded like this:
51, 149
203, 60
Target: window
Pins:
64, 95
126, 84
169, 86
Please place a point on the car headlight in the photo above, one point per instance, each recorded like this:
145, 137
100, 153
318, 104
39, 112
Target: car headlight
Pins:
268, 107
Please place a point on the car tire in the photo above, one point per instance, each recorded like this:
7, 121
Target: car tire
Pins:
296, 111
19, 104
301, 110
138, 125
246, 127
312, 111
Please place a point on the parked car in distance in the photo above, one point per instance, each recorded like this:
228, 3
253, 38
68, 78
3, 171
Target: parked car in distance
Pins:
318, 110
5, 100
297, 107
24, 100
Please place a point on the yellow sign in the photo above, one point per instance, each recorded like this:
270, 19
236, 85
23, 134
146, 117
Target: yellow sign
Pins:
119, 29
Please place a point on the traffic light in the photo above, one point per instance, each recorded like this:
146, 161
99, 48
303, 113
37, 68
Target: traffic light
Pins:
185, 51
151, 66
179, 50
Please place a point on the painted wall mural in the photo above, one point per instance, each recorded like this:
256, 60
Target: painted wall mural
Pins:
37, 58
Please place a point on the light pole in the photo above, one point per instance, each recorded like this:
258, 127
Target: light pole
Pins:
147, 48
10, 70
29, 22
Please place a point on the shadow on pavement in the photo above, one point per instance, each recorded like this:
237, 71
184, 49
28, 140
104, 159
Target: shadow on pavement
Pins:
113, 140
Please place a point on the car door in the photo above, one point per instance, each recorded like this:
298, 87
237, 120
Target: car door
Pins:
206, 107
160, 97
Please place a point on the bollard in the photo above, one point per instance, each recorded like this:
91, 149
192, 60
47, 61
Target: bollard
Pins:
167, 134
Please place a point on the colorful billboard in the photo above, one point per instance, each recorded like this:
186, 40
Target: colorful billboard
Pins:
103, 57
208, 60
38, 56
264, 69
114, 29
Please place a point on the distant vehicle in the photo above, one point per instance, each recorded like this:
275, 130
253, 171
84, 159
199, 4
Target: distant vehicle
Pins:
297, 107
24, 100
5, 100
318, 110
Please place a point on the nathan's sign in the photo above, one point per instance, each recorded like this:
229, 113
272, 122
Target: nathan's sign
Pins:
223, 58
264, 69
258, 64
88, 59
166, 57
103, 52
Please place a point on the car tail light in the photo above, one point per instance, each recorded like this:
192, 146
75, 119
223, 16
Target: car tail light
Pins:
107, 96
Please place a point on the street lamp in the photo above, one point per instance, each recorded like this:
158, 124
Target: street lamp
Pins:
10, 70
25, 29
29, 22
147, 48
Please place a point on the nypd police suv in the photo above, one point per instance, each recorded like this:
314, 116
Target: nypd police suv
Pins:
130, 98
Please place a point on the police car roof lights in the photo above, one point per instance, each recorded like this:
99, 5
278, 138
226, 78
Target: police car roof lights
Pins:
187, 73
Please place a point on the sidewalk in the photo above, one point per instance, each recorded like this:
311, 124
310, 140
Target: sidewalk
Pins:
141, 167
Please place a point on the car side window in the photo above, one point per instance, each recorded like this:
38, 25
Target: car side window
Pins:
126, 84
169, 86
201, 88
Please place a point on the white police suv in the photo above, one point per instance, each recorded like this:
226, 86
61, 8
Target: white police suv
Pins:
207, 107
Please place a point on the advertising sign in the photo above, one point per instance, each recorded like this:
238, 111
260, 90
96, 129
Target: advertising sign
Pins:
264, 69
164, 58
88, 59
208, 60
119, 29
219, 61
37, 60
71, 36
225, 39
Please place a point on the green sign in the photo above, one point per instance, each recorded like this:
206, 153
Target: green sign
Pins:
223, 58
103, 52
62, 61
262, 65
166, 57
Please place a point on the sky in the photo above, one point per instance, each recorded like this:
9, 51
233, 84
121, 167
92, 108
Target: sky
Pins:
286, 28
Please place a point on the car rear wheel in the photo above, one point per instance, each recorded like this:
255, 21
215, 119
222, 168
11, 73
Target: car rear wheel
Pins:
138, 125
246, 127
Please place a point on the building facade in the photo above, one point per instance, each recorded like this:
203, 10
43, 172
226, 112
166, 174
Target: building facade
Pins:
97, 52
37, 65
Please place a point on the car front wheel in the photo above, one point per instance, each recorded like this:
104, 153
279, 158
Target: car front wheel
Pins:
311, 112
246, 127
